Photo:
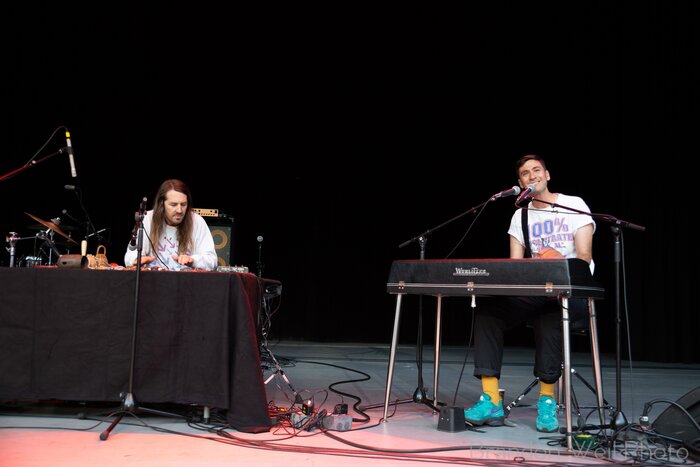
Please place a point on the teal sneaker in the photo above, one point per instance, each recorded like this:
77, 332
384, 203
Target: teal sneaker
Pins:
547, 415
485, 412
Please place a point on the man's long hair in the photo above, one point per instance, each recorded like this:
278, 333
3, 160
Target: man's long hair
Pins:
184, 230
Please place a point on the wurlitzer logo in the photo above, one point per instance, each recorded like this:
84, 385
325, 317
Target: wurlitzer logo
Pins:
471, 272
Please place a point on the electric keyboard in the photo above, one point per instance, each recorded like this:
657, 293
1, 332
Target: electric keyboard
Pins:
505, 276
562, 278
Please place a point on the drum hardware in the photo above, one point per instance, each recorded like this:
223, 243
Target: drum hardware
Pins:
33, 261
53, 226
12, 240
98, 232
48, 236
65, 228
49, 243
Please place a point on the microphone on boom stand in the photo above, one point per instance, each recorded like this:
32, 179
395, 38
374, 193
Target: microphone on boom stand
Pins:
259, 263
129, 404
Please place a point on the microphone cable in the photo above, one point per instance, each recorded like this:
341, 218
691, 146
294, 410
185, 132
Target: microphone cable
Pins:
468, 229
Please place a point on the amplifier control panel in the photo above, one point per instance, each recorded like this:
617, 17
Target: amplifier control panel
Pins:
206, 212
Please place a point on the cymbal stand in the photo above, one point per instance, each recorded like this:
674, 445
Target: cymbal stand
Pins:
12, 240
129, 405
47, 237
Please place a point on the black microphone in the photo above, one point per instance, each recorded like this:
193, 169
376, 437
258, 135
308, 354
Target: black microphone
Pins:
69, 150
67, 214
71, 187
526, 192
138, 217
135, 231
511, 192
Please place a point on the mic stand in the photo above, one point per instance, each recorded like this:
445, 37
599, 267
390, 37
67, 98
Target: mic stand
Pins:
90, 230
419, 395
259, 264
128, 401
618, 420
32, 162
29, 165
279, 372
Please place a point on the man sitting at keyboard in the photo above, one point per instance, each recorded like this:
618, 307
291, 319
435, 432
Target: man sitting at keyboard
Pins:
550, 232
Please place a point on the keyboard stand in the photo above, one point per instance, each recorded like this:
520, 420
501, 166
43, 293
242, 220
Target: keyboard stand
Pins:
564, 300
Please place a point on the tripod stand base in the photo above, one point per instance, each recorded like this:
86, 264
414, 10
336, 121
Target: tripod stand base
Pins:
419, 395
105, 434
619, 420
574, 429
129, 407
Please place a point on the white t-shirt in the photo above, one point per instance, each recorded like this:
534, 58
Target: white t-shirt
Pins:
203, 251
553, 227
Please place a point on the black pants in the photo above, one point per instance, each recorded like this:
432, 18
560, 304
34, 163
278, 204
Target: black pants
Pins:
496, 315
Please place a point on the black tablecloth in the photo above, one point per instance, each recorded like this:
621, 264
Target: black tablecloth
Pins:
67, 334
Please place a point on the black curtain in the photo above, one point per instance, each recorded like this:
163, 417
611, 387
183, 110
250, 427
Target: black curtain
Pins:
338, 139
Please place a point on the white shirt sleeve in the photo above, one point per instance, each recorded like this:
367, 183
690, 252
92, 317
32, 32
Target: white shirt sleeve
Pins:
204, 252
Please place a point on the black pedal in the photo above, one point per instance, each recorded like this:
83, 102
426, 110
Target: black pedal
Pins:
452, 419
307, 408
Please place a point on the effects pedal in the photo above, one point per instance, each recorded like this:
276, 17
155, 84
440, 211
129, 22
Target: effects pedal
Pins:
299, 420
337, 422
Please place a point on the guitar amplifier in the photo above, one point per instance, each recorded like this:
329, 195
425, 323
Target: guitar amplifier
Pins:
221, 227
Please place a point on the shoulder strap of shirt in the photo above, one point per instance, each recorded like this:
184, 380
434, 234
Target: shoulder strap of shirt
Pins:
526, 234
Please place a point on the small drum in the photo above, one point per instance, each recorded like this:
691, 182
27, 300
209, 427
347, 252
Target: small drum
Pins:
32, 261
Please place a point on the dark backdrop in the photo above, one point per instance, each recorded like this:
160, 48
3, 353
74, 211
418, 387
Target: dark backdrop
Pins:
337, 134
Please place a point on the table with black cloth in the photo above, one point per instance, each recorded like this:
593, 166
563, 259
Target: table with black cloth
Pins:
66, 334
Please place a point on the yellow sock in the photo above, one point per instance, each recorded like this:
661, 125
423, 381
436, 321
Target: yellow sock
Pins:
490, 386
547, 389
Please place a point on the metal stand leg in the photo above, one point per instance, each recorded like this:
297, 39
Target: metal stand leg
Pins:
567, 366
438, 344
567, 369
278, 372
596, 360
12, 240
392, 356
520, 397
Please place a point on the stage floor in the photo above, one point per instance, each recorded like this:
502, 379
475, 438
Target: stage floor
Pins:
67, 433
